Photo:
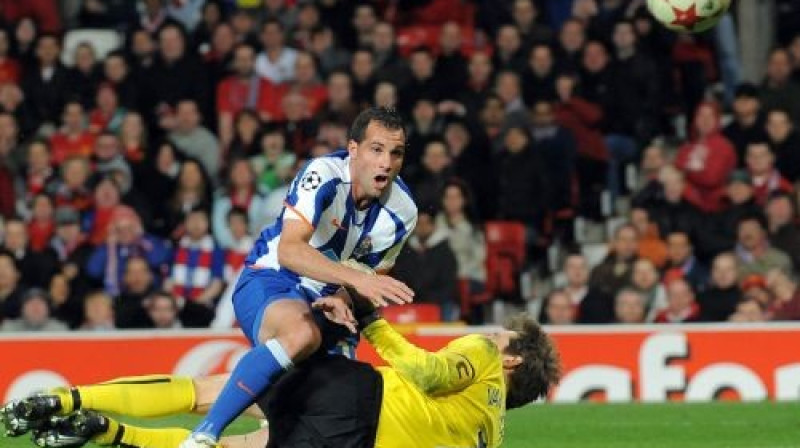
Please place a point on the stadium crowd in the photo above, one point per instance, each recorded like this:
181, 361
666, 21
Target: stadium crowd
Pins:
139, 162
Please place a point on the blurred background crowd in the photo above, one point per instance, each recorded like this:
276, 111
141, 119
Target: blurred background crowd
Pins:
570, 157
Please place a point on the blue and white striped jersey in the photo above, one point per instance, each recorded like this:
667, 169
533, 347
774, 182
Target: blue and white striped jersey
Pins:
321, 195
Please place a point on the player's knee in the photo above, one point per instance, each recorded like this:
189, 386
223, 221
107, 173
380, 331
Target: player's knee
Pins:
301, 340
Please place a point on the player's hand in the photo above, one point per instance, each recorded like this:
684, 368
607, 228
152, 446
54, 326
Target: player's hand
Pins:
337, 311
382, 289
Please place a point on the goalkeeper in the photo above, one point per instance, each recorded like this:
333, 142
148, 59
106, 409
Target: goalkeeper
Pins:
456, 397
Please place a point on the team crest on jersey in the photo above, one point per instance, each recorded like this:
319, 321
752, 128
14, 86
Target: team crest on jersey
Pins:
311, 181
363, 249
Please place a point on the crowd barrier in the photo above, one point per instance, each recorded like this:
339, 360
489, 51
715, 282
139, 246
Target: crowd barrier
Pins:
613, 363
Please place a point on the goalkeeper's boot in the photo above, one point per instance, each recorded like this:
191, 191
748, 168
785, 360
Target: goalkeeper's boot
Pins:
72, 431
200, 440
21, 416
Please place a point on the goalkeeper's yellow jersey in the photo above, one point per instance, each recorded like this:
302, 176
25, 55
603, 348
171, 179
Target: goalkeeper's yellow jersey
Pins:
453, 398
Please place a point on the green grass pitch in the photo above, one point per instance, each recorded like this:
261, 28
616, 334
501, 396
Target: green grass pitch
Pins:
715, 425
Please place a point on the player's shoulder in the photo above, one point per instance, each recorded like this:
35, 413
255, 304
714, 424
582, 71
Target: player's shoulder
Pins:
475, 343
333, 164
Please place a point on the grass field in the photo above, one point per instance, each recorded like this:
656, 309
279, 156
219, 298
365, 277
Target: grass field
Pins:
717, 425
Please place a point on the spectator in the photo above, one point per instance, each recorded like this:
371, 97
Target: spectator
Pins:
364, 20
682, 260
12, 102
246, 135
193, 190
385, 95
10, 69
636, 101
615, 271
428, 185
46, 85
240, 244
153, 15
98, 312
522, 193
134, 141
243, 90
450, 62
162, 309
72, 189
424, 83
39, 174
362, 71
429, 267
298, 125
720, 299
787, 296
84, 76
108, 114
646, 280
166, 83
571, 40
748, 122
74, 138
308, 18
708, 158
596, 76
651, 246
10, 288
629, 307
558, 309
509, 54
193, 139
756, 255
72, 248
648, 186
106, 201
272, 166
677, 211
218, 59
138, 283
198, 264
785, 144
35, 315
240, 193
126, 239
783, 231
41, 224
36, 267
340, 107
471, 159
556, 146
778, 89
389, 64
108, 158
478, 86
508, 88
67, 305
423, 129
765, 177
307, 82
591, 305
718, 232
276, 62
117, 72
681, 305
331, 56
538, 79
459, 220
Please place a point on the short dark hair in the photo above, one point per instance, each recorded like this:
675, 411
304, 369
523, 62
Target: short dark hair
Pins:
756, 217
387, 117
541, 365
240, 212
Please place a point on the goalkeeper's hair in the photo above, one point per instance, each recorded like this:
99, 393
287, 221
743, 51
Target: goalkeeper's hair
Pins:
541, 365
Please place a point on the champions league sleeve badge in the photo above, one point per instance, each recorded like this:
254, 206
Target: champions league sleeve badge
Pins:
311, 181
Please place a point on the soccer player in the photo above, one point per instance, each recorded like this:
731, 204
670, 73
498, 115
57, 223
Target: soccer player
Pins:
350, 204
456, 397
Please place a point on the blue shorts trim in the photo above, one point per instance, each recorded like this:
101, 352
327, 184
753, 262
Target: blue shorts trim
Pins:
256, 290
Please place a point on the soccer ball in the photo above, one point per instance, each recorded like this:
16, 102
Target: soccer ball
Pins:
688, 15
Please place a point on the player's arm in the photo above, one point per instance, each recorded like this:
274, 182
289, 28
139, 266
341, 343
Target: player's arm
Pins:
452, 368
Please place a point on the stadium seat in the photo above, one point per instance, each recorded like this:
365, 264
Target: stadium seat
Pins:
505, 257
414, 313
103, 42
594, 253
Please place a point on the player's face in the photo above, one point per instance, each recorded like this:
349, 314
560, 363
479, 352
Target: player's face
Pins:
377, 159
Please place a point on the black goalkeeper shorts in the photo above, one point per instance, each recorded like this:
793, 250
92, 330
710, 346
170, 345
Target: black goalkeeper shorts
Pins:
327, 401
